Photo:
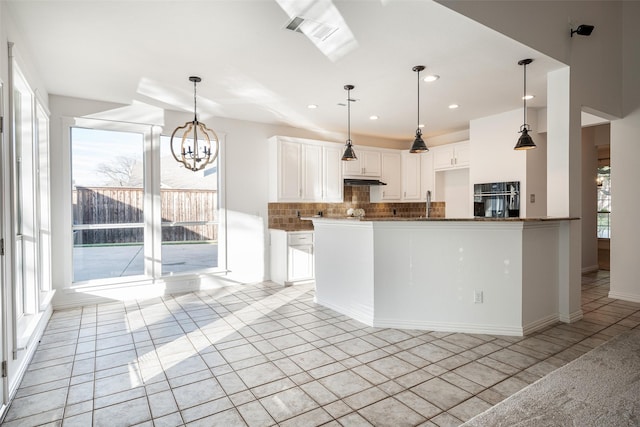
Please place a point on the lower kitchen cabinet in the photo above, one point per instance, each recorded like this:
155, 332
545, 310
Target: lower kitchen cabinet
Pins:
292, 259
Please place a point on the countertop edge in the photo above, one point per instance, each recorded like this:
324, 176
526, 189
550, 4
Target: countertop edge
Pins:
400, 219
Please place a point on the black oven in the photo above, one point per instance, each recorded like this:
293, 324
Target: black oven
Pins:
496, 200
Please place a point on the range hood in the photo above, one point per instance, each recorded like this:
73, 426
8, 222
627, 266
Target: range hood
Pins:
362, 182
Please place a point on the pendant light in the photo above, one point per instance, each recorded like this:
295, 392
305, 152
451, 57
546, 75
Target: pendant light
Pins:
198, 134
525, 142
349, 153
418, 144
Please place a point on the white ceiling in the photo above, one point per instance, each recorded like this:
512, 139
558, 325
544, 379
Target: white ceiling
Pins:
254, 69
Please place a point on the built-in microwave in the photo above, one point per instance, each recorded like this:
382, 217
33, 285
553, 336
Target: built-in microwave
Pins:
496, 199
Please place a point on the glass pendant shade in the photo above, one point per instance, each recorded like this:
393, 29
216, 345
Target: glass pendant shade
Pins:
349, 152
418, 144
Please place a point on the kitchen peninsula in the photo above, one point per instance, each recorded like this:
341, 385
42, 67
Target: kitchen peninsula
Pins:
494, 276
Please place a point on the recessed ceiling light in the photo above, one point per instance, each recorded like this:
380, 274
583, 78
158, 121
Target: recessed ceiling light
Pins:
431, 78
528, 97
312, 106
374, 117
453, 106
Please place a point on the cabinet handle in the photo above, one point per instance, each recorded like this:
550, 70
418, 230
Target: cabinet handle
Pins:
451, 161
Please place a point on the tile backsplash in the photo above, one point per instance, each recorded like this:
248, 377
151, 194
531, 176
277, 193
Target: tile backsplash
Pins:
286, 216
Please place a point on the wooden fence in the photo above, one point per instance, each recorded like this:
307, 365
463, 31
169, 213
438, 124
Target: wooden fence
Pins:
122, 205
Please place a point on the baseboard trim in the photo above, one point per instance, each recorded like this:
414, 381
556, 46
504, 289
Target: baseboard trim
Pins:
364, 316
624, 296
573, 317
590, 269
541, 323
449, 327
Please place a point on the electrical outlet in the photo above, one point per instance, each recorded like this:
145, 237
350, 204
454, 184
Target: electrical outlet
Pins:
532, 198
477, 297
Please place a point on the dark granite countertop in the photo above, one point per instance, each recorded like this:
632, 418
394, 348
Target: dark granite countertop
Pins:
538, 219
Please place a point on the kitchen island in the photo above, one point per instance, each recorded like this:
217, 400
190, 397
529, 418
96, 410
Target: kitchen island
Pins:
494, 276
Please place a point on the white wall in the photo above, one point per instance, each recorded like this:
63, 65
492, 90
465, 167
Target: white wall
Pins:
493, 158
625, 174
452, 187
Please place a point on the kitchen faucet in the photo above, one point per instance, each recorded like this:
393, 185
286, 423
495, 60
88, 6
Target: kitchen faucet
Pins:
428, 207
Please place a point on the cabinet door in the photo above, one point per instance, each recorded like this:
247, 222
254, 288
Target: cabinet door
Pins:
300, 262
442, 157
353, 167
371, 163
462, 154
426, 176
312, 171
411, 176
333, 184
290, 171
391, 168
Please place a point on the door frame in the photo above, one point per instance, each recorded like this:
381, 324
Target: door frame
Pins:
4, 318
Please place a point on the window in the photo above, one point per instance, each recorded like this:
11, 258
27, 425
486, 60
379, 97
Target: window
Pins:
189, 202
604, 202
107, 197
136, 213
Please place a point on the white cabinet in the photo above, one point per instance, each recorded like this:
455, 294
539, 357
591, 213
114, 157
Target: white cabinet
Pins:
311, 172
368, 164
391, 174
411, 176
451, 156
417, 176
302, 170
333, 184
292, 259
289, 161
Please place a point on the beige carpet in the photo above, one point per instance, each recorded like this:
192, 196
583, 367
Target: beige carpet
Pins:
601, 388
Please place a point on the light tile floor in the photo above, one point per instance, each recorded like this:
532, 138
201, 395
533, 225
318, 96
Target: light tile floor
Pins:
263, 355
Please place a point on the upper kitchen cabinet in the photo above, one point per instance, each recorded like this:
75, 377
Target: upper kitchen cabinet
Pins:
302, 170
332, 184
451, 156
417, 175
368, 164
285, 170
391, 174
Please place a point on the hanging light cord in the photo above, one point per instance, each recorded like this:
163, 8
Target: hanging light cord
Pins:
349, 116
524, 97
418, 91
195, 104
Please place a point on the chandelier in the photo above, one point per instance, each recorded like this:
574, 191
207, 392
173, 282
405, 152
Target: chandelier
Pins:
193, 144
